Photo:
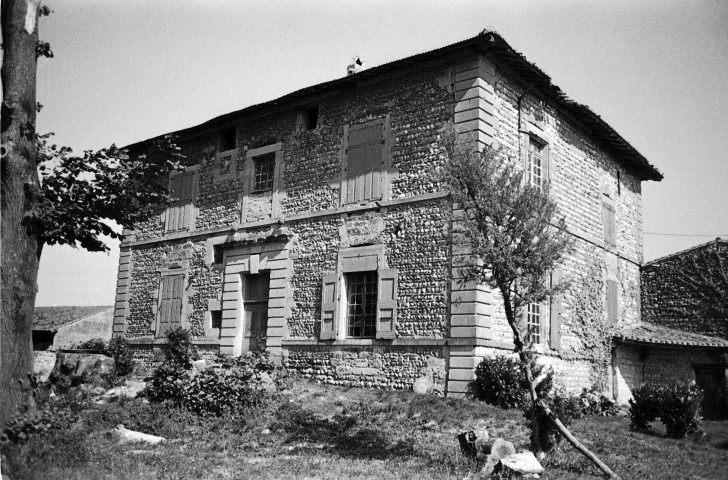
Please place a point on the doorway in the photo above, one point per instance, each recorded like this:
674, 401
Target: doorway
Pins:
255, 306
711, 379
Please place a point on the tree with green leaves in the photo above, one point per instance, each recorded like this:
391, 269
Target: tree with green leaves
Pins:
51, 196
517, 239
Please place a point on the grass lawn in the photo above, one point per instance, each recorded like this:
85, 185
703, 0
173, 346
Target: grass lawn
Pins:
316, 431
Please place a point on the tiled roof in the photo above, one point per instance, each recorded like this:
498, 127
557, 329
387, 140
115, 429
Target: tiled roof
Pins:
52, 318
717, 241
655, 334
486, 42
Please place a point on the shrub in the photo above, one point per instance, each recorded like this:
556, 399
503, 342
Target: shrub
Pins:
179, 349
93, 344
123, 358
593, 402
501, 381
238, 383
677, 406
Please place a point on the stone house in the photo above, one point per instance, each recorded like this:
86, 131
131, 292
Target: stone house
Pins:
56, 328
316, 226
684, 333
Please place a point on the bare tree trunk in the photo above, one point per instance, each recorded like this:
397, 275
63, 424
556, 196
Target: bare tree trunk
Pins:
538, 404
20, 248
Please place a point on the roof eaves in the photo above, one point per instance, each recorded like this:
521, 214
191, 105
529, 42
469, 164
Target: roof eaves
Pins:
489, 41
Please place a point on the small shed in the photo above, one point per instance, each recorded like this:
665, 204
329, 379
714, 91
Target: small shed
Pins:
55, 328
649, 353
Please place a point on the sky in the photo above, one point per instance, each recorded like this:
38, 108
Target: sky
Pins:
128, 70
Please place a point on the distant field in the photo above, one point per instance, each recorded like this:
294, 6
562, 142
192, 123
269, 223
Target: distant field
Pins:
317, 431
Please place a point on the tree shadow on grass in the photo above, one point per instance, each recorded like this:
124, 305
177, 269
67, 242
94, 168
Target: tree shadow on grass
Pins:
341, 434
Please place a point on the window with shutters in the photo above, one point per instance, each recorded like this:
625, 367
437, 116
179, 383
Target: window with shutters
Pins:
359, 301
181, 192
608, 220
365, 172
169, 311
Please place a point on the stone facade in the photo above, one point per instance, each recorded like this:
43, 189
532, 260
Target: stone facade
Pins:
303, 232
689, 290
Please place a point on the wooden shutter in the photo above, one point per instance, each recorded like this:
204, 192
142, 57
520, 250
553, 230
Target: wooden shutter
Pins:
181, 192
612, 297
555, 313
170, 307
609, 225
387, 303
364, 162
329, 315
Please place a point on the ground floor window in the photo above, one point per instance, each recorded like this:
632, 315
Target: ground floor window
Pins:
361, 294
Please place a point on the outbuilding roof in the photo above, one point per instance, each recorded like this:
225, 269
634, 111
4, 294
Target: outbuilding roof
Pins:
52, 318
717, 241
489, 42
649, 333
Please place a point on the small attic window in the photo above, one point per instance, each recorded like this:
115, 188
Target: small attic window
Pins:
228, 139
310, 117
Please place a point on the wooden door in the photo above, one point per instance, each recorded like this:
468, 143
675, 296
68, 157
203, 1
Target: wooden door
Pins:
255, 301
713, 383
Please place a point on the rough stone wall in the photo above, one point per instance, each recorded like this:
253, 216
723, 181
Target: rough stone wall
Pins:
689, 290
416, 240
582, 174
415, 236
202, 284
371, 367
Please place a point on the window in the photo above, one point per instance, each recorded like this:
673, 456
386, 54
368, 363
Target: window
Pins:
535, 163
361, 300
181, 192
309, 118
216, 321
228, 139
365, 172
361, 304
217, 252
264, 173
169, 312
533, 323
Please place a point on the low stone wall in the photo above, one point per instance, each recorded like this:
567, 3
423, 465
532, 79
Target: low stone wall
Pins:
43, 362
394, 368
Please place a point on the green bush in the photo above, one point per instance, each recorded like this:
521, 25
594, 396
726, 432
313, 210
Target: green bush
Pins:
118, 348
179, 349
501, 381
236, 384
677, 406
565, 408
593, 402
93, 344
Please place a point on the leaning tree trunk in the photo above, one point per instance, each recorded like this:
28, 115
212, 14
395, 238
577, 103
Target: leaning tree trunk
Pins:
20, 249
538, 404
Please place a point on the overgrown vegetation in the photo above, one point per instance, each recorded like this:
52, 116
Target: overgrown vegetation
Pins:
677, 406
119, 350
318, 431
233, 386
501, 381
